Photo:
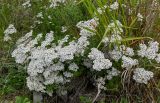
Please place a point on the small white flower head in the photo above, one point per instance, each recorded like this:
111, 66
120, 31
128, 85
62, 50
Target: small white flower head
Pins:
48, 39
37, 22
114, 6
149, 52
99, 61
127, 50
105, 40
67, 52
112, 73
73, 67
142, 76
27, 4
115, 54
139, 17
115, 38
102, 9
82, 44
35, 67
157, 58
154, 45
62, 41
49, 17
53, 68
90, 24
54, 78
55, 3
64, 29
34, 83
49, 55
10, 30
124, 5
68, 74
116, 27
7, 38
152, 50
128, 62
100, 64
39, 15
95, 54
101, 83
142, 51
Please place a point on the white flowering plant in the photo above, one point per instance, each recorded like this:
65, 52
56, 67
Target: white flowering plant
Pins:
107, 43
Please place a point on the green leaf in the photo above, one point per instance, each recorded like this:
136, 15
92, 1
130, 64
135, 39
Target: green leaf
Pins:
21, 99
135, 38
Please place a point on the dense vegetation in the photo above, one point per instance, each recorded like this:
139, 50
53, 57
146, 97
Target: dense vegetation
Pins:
80, 51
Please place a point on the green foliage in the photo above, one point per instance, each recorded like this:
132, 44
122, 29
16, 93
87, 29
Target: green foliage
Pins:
52, 88
21, 99
13, 76
12, 79
84, 99
124, 100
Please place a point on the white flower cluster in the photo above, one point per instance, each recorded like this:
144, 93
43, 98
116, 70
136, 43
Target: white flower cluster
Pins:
115, 38
73, 67
40, 15
150, 52
102, 9
116, 27
48, 39
101, 84
55, 3
20, 53
112, 73
27, 4
158, 58
64, 29
128, 62
139, 17
85, 25
142, 76
115, 54
118, 52
99, 61
10, 30
34, 83
47, 60
114, 6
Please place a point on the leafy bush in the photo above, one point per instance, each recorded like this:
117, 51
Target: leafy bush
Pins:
109, 43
